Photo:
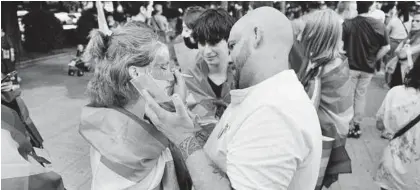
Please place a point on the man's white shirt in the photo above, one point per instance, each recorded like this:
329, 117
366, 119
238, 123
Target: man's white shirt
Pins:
269, 137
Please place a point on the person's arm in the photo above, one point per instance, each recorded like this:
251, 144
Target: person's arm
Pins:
179, 128
383, 51
402, 53
384, 40
204, 173
390, 26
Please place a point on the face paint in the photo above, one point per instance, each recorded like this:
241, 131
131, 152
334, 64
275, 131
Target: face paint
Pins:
160, 83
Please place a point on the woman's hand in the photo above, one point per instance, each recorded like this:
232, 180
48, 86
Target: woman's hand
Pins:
176, 126
180, 87
7, 86
405, 51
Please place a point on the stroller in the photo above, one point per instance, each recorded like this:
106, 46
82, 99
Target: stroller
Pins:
77, 66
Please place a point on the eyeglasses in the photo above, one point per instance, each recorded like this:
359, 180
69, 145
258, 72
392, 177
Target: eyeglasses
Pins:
415, 21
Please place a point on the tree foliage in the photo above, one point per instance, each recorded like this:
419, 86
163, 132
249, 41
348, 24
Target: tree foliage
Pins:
43, 31
85, 24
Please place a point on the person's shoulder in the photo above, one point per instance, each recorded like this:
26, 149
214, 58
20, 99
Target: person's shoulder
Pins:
376, 23
100, 116
400, 89
337, 63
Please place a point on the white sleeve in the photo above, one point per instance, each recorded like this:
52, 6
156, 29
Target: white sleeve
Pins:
265, 152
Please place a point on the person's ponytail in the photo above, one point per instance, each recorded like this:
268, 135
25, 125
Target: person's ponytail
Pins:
97, 46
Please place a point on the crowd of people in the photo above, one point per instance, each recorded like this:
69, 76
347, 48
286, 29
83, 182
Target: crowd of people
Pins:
263, 101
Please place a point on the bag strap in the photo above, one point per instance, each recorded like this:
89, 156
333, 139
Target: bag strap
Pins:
146, 126
405, 28
156, 23
407, 127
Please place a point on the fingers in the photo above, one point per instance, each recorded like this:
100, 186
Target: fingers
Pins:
181, 87
153, 105
152, 116
179, 106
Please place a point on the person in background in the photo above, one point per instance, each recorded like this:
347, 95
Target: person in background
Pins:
269, 137
160, 23
212, 79
187, 52
326, 78
347, 10
7, 54
399, 167
365, 42
377, 12
189, 20
10, 97
142, 11
396, 29
400, 63
111, 22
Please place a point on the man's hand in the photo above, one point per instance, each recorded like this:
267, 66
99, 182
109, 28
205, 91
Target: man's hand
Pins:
176, 126
7, 86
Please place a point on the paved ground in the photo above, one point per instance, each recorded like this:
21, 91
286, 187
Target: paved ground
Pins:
55, 100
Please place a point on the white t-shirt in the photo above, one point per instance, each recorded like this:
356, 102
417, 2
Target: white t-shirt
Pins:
269, 137
378, 14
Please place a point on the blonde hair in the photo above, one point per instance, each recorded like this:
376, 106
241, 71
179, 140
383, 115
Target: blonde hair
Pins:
129, 45
321, 40
322, 35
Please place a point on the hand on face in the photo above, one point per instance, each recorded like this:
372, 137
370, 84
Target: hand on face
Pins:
176, 126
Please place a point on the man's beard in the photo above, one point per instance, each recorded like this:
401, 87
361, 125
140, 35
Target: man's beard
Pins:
240, 62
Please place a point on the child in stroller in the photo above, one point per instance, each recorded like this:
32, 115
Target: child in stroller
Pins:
77, 65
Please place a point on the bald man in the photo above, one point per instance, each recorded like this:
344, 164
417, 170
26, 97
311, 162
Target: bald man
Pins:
269, 137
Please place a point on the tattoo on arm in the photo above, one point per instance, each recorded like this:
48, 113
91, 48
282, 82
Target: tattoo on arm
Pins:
202, 137
189, 146
217, 171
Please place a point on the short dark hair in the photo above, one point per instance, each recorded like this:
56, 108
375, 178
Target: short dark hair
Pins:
389, 6
412, 79
363, 6
213, 26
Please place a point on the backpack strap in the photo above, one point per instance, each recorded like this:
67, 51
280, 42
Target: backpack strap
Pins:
407, 127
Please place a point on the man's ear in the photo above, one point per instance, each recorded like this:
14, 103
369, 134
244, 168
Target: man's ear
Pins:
257, 34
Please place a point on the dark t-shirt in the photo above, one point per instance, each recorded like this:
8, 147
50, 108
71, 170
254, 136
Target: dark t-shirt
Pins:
363, 37
217, 89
